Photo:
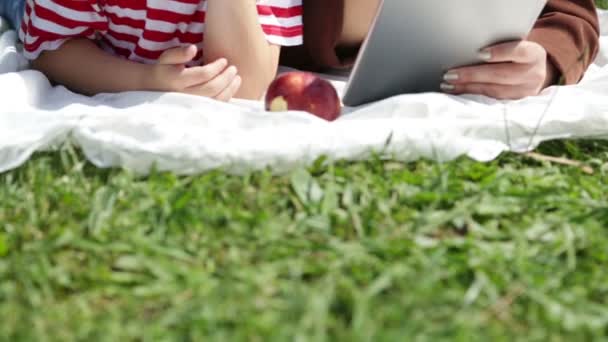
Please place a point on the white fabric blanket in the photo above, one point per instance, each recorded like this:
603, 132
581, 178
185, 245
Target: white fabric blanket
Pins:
187, 134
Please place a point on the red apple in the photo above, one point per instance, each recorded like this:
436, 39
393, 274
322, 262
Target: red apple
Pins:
305, 92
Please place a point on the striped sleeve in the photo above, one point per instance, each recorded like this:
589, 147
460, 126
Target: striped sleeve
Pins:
47, 24
281, 20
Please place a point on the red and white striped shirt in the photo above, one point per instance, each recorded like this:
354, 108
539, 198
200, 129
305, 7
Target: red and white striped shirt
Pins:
141, 30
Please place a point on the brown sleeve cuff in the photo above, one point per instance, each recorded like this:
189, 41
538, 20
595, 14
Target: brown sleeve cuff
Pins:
570, 61
569, 31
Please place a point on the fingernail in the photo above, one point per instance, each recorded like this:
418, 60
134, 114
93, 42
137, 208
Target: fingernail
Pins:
447, 87
232, 69
484, 55
451, 76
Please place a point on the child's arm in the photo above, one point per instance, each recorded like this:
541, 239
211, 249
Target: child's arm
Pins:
58, 36
233, 31
83, 67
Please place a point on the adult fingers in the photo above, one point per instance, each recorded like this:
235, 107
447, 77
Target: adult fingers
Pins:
178, 55
215, 86
498, 73
497, 91
231, 90
524, 52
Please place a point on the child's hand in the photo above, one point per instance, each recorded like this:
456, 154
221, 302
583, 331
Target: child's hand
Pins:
215, 80
513, 70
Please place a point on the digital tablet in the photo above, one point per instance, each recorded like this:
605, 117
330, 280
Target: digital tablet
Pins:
412, 43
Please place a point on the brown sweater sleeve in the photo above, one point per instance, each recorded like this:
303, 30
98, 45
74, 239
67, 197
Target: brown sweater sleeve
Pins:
569, 31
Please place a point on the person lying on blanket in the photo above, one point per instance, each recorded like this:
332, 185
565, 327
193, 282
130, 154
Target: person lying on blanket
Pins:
562, 45
94, 46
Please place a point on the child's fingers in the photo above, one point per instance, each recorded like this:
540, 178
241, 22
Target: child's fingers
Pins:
231, 90
215, 86
178, 55
497, 91
202, 74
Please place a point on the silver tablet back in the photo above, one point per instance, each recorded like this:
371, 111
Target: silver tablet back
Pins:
413, 42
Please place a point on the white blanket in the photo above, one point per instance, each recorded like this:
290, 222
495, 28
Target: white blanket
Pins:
187, 134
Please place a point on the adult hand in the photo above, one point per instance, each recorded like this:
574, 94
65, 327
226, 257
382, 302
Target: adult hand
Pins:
512, 71
215, 80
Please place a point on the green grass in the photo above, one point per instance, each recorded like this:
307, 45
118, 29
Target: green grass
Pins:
513, 249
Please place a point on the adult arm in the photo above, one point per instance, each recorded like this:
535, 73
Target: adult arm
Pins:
562, 45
